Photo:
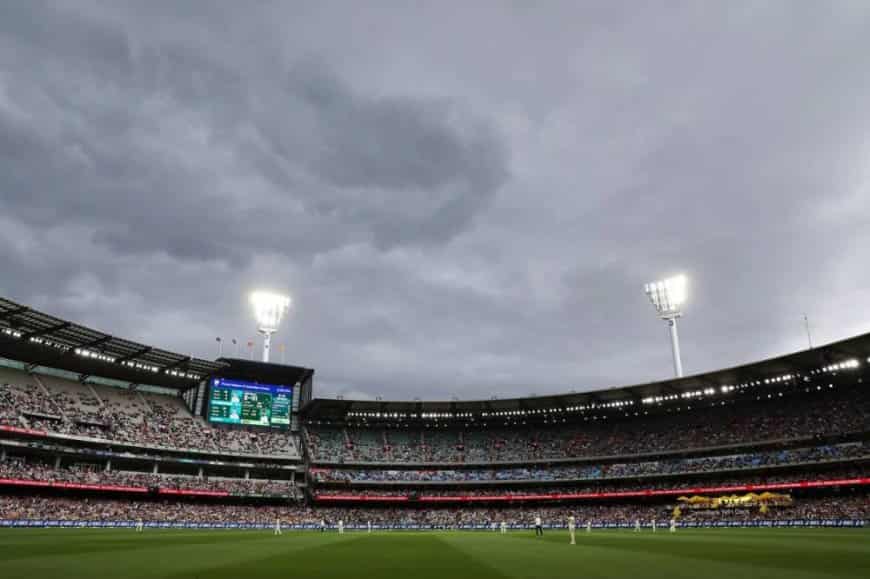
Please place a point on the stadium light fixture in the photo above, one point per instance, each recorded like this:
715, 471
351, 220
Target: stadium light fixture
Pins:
269, 309
668, 297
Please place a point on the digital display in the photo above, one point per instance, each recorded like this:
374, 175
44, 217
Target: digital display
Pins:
249, 404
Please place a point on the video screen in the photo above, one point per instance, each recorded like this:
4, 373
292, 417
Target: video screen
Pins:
249, 404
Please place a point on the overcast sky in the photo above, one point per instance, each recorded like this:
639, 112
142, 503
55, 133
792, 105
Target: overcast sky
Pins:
463, 198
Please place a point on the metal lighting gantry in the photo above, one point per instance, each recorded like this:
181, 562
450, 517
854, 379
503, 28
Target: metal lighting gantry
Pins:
269, 308
668, 296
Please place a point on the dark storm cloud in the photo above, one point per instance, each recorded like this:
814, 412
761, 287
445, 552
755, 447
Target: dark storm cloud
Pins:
460, 204
162, 152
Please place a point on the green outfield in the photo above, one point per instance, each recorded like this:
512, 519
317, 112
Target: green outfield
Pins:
704, 554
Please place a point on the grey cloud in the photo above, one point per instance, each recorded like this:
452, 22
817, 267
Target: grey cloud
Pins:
453, 214
417, 169
167, 142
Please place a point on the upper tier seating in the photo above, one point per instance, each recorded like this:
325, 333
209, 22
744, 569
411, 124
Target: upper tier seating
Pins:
751, 460
61, 406
803, 416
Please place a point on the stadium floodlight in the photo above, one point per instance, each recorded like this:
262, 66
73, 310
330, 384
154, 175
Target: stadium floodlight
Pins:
269, 308
668, 297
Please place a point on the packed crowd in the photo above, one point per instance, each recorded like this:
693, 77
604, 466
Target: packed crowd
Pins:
43, 508
761, 478
793, 417
122, 416
604, 471
92, 475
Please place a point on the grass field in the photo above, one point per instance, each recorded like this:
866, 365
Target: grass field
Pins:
704, 554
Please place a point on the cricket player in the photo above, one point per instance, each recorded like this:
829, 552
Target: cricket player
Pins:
572, 526
673, 526
503, 527
140, 526
277, 526
340, 527
654, 525
637, 525
370, 526
588, 526
322, 526
539, 526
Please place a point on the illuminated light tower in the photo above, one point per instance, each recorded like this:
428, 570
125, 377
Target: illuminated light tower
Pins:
668, 296
269, 308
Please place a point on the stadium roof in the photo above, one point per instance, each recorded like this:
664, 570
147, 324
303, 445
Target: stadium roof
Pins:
850, 355
257, 371
41, 339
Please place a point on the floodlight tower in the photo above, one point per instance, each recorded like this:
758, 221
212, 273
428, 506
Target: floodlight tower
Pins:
667, 296
269, 308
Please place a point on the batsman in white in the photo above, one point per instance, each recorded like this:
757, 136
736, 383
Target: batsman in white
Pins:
572, 526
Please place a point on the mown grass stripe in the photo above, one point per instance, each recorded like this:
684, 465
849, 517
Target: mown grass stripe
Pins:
724, 554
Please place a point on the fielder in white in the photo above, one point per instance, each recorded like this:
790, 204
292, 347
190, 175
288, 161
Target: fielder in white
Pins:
571, 528
503, 527
637, 525
673, 526
140, 526
654, 525
370, 526
340, 527
277, 526
588, 526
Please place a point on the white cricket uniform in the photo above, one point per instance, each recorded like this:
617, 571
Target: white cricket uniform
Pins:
637, 526
140, 526
539, 527
277, 526
341, 527
654, 525
572, 526
503, 527
370, 526
588, 526
673, 526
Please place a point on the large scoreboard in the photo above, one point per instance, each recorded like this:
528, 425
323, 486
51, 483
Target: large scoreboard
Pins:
249, 403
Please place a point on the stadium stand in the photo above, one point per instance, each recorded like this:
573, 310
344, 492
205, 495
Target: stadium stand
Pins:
783, 480
747, 461
23, 472
84, 450
795, 417
66, 509
112, 414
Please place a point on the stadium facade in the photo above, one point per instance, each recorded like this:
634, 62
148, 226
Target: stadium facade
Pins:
103, 431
